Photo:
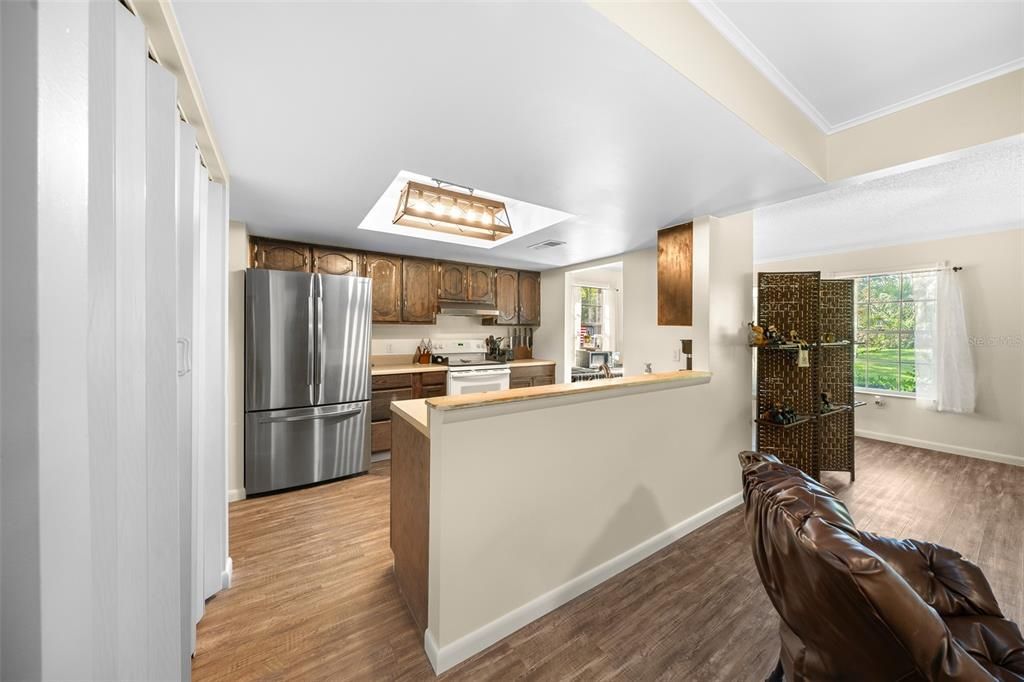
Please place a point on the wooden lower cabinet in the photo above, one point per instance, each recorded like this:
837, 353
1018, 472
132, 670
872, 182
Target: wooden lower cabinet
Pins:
534, 375
390, 387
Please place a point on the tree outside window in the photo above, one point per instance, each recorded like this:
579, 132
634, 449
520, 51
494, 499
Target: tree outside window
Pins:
889, 351
591, 313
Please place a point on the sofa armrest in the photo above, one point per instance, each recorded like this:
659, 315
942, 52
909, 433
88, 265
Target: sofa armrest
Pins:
947, 582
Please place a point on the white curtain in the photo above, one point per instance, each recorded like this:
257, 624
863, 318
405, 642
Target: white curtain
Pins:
945, 376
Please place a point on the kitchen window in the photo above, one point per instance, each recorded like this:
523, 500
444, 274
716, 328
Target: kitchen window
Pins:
894, 344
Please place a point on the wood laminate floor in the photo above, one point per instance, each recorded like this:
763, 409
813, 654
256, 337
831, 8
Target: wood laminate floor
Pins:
314, 598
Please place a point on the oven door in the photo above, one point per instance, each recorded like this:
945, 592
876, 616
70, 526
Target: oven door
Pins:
478, 380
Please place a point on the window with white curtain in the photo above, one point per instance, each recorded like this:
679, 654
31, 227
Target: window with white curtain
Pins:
895, 340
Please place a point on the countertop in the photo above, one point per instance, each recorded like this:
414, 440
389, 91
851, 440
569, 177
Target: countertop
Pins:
413, 411
660, 379
410, 368
383, 369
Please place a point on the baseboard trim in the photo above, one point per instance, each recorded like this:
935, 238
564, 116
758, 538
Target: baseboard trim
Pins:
943, 447
225, 576
236, 494
444, 657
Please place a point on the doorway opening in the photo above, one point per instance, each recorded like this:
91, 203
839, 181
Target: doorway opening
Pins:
593, 316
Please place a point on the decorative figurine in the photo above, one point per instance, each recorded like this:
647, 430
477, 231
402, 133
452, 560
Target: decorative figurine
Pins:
826, 402
755, 337
828, 337
772, 334
781, 414
794, 337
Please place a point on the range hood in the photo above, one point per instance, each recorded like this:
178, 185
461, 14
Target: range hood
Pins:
468, 309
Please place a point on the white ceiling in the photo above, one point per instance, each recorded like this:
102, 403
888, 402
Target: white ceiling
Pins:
979, 190
317, 106
847, 62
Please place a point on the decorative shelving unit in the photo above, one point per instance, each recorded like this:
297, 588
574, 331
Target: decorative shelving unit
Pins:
815, 308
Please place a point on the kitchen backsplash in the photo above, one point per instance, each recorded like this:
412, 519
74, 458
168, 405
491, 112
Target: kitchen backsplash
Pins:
389, 339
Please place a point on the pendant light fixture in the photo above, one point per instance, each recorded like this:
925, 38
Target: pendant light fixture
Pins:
440, 209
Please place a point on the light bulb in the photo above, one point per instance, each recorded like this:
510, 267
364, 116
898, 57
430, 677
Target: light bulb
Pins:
437, 208
455, 212
471, 216
485, 218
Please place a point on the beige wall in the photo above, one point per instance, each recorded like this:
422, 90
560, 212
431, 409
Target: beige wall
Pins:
584, 482
993, 289
238, 259
643, 339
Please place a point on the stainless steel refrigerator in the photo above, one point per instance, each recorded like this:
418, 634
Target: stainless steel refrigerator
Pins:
307, 378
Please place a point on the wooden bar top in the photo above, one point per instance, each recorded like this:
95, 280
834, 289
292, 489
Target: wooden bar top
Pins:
413, 411
660, 379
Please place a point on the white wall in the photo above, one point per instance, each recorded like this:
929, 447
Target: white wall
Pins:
993, 289
238, 260
558, 501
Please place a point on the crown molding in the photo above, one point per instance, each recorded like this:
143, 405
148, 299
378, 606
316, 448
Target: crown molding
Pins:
718, 19
947, 89
724, 25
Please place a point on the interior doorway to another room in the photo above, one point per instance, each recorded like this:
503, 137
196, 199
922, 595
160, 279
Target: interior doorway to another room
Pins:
593, 319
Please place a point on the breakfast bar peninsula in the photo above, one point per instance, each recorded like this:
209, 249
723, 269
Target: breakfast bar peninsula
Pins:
505, 505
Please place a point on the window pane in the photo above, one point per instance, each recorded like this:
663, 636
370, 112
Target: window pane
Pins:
860, 372
861, 287
884, 375
884, 316
880, 346
908, 288
885, 288
908, 315
907, 383
863, 320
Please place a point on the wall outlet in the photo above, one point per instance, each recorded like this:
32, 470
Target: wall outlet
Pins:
677, 355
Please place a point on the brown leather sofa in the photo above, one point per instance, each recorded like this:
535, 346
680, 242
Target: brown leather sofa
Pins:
857, 606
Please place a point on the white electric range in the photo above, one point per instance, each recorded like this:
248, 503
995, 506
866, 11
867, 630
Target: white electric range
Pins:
469, 370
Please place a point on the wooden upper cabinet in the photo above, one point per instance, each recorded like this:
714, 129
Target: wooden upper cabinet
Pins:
675, 275
275, 255
453, 285
529, 298
337, 261
506, 292
386, 273
419, 290
480, 284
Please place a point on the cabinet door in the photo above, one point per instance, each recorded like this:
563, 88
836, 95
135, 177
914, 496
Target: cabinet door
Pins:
386, 273
380, 402
419, 290
543, 381
337, 261
274, 255
453, 284
529, 298
481, 284
506, 286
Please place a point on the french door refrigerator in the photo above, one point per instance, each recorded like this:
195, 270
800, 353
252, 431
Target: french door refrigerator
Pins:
307, 378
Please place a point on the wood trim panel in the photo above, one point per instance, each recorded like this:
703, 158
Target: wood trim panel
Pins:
675, 275
410, 516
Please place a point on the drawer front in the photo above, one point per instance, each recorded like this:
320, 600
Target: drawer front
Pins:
520, 383
435, 378
434, 391
530, 372
391, 381
381, 402
380, 436
543, 381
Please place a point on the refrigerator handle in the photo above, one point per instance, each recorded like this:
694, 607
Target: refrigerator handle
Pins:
322, 361
185, 365
309, 344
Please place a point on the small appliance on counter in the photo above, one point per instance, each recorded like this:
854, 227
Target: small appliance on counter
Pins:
469, 368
